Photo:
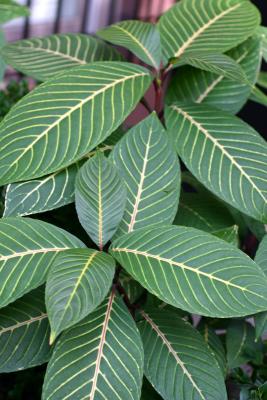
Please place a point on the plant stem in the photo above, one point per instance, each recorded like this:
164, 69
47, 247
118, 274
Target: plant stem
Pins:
158, 96
146, 105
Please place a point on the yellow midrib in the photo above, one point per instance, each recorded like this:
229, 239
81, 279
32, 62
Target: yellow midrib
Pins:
203, 28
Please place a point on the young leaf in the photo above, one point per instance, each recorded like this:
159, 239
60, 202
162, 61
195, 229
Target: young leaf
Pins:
9, 9
240, 344
219, 64
193, 270
101, 357
43, 194
206, 26
24, 333
43, 58
100, 197
27, 250
178, 363
77, 283
224, 153
202, 211
141, 38
229, 234
193, 85
150, 168
59, 122
215, 344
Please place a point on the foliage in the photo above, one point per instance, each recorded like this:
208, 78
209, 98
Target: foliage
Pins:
113, 238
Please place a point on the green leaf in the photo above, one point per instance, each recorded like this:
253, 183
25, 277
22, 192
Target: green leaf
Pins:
101, 357
261, 255
43, 194
141, 38
132, 288
193, 270
24, 333
215, 344
77, 283
260, 324
219, 64
261, 260
60, 121
178, 363
43, 58
27, 250
262, 79
229, 234
262, 31
100, 197
10, 9
150, 168
206, 26
202, 211
240, 344
193, 85
224, 153
259, 96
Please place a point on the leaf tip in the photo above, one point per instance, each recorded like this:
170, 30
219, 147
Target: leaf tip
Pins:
52, 338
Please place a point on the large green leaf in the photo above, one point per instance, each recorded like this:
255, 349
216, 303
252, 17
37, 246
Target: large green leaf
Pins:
77, 283
63, 119
178, 362
202, 211
240, 344
193, 85
224, 153
43, 58
150, 168
206, 26
193, 270
27, 250
219, 64
142, 38
9, 9
99, 358
24, 333
100, 197
39, 195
